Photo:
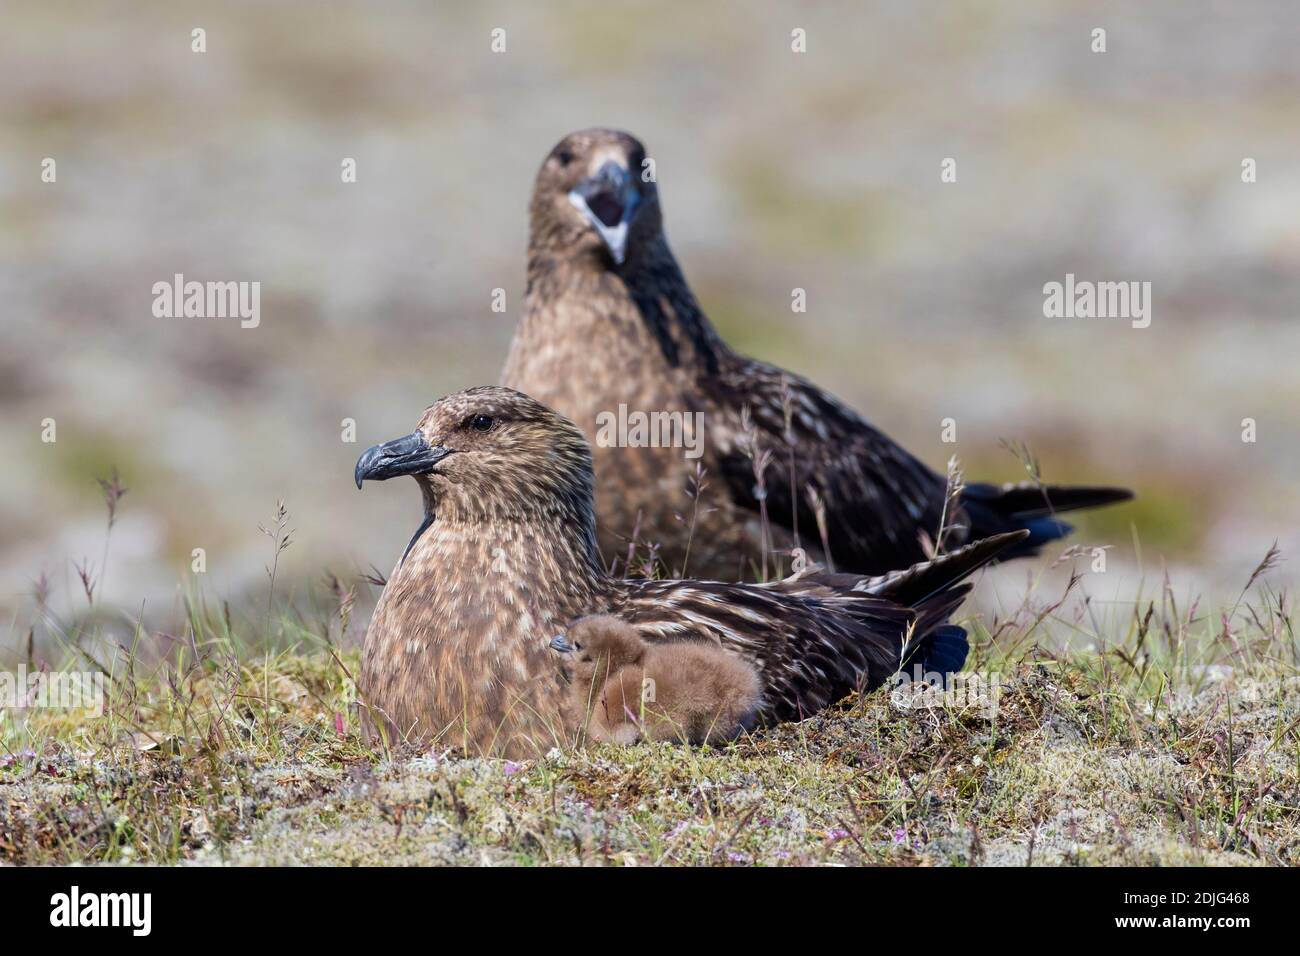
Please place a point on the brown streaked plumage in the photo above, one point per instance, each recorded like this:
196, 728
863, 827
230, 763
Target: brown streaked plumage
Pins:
457, 650
623, 689
609, 319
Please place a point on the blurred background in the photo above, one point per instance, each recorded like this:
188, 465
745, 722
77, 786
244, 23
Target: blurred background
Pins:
777, 170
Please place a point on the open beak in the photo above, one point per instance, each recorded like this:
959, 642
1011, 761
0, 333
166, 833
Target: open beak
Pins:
609, 200
409, 455
560, 643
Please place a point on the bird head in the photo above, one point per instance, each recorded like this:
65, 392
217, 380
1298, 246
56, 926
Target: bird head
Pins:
489, 452
599, 641
595, 196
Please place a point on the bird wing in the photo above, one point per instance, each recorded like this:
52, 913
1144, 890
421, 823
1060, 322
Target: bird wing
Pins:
915, 585
811, 644
875, 496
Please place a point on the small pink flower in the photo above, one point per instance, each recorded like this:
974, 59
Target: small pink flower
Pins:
511, 768
900, 836
8, 760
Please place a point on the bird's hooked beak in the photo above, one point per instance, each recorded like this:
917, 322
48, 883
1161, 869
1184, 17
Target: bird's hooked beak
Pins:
560, 643
609, 200
409, 455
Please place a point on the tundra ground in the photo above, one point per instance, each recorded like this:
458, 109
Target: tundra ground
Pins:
1172, 739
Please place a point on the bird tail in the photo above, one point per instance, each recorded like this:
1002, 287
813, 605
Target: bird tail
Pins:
943, 651
934, 589
922, 598
933, 645
1031, 507
916, 585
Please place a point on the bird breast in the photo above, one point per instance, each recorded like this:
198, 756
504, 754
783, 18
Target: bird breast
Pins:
458, 640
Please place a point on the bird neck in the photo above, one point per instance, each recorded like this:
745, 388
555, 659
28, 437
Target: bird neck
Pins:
473, 560
645, 305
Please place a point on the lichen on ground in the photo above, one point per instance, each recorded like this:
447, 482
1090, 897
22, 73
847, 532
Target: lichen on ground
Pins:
263, 764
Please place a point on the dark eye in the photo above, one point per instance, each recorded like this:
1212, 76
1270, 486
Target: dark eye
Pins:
564, 157
481, 423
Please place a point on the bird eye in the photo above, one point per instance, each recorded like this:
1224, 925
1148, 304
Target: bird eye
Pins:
564, 157
481, 423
